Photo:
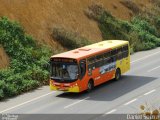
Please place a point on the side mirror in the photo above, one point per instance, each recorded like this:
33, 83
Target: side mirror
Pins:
78, 75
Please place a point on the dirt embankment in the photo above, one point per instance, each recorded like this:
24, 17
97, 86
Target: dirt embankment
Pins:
4, 60
40, 16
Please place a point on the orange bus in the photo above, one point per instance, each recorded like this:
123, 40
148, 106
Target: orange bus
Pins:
86, 67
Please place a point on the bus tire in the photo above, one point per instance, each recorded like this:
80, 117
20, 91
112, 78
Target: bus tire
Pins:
117, 74
90, 85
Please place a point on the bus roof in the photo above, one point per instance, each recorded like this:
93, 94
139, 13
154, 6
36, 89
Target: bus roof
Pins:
89, 50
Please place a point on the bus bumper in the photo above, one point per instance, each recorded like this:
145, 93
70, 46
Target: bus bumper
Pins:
65, 89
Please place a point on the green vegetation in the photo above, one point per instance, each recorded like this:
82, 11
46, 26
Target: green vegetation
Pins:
143, 34
69, 39
28, 60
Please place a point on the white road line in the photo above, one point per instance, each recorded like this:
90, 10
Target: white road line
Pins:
130, 102
26, 102
76, 102
150, 92
145, 57
153, 69
110, 112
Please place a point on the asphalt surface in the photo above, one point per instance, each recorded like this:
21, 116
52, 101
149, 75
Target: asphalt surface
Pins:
139, 86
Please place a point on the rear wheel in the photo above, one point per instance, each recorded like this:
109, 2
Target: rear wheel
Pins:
90, 86
118, 74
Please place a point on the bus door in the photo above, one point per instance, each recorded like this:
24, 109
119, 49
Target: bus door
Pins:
82, 68
92, 71
82, 72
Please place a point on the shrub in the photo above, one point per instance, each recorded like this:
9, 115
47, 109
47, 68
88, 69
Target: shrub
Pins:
94, 11
28, 63
29, 85
156, 2
69, 39
131, 5
142, 25
126, 26
11, 90
2, 85
140, 32
158, 23
111, 27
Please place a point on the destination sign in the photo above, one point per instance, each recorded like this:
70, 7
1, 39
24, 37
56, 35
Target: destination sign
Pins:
63, 60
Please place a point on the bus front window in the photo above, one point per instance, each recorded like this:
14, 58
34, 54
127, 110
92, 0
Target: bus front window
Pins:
64, 71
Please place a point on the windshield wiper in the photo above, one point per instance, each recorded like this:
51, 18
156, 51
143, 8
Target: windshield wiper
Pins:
56, 78
60, 78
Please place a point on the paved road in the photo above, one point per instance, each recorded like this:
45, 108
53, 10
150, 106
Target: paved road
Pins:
140, 85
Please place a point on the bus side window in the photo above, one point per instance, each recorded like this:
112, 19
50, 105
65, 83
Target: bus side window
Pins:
107, 54
119, 53
125, 51
107, 60
82, 68
99, 60
113, 55
91, 63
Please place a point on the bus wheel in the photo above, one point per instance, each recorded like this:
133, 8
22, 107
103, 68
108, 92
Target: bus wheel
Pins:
90, 85
118, 74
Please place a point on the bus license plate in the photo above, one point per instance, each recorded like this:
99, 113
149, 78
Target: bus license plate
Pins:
63, 89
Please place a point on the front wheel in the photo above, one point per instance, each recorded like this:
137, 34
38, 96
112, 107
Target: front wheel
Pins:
118, 74
90, 86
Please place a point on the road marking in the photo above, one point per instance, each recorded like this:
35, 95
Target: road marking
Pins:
130, 102
75, 103
153, 69
145, 57
150, 92
26, 102
110, 112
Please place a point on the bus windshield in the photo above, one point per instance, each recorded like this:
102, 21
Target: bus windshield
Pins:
64, 71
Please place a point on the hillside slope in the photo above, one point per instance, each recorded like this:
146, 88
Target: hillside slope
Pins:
4, 60
40, 16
